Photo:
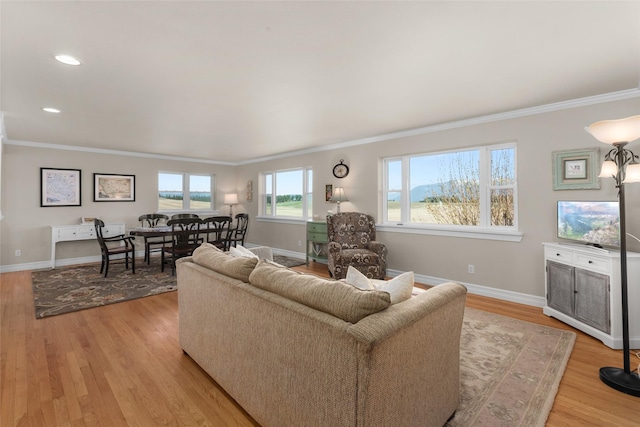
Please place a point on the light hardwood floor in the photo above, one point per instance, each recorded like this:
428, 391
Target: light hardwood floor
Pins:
122, 365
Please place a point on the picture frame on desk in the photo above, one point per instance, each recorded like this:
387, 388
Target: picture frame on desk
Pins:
60, 187
114, 188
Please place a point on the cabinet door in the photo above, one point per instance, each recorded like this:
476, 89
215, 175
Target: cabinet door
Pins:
592, 299
560, 287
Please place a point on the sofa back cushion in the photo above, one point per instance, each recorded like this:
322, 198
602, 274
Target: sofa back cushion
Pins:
330, 296
214, 259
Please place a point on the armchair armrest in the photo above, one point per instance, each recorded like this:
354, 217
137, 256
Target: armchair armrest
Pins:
334, 248
379, 248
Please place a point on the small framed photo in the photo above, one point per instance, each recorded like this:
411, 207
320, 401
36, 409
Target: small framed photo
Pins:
88, 220
114, 188
328, 192
576, 169
60, 187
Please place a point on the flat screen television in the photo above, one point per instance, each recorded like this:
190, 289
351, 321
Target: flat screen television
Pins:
594, 223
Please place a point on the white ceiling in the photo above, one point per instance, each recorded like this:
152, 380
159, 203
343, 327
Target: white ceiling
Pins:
235, 81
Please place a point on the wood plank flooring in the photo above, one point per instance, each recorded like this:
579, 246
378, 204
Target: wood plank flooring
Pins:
122, 365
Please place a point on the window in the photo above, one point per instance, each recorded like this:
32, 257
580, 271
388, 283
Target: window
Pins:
173, 186
474, 187
287, 194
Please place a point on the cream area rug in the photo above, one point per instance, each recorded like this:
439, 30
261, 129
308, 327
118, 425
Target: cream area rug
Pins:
510, 370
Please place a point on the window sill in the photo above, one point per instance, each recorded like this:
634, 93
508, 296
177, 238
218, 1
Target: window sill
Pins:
281, 220
481, 233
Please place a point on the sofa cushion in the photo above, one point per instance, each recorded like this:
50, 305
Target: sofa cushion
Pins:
330, 296
241, 251
399, 288
214, 259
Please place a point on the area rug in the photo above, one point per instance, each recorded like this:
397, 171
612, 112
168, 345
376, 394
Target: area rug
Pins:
63, 290
510, 370
288, 261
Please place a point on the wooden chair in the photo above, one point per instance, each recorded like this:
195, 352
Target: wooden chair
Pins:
152, 244
239, 233
184, 240
219, 231
184, 215
109, 251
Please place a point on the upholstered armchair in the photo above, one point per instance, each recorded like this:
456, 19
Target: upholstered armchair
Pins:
352, 241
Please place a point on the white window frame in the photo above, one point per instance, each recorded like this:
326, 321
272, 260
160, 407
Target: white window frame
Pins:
307, 196
185, 192
482, 231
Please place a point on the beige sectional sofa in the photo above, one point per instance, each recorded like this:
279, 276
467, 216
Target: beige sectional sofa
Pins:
299, 350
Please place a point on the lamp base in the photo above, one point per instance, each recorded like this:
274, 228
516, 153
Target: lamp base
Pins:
618, 379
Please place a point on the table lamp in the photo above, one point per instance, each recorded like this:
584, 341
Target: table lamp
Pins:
338, 196
231, 199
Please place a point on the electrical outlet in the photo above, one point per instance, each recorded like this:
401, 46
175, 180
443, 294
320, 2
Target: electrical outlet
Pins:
472, 268
18, 252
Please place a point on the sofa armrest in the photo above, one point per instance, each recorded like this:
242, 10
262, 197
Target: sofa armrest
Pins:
411, 349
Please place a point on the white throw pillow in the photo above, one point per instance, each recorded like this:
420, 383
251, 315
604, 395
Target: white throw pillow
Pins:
399, 288
241, 251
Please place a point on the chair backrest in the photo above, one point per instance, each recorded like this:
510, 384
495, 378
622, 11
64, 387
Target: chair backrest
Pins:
218, 228
152, 220
98, 223
184, 215
184, 232
351, 230
242, 224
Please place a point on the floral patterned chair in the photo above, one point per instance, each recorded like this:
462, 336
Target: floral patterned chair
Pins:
352, 242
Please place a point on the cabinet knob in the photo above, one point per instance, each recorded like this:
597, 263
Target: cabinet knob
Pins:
590, 262
557, 254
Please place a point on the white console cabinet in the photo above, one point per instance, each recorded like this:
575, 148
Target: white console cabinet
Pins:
67, 233
583, 289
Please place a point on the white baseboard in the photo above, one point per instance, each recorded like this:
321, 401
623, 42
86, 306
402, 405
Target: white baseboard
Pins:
486, 291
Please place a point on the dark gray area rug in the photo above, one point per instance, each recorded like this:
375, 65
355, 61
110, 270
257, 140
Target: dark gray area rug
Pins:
288, 261
67, 289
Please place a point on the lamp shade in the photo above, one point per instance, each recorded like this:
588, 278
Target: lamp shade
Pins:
632, 173
338, 195
612, 131
609, 169
231, 199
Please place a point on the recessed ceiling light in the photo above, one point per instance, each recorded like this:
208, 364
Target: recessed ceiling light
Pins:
67, 59
51, 110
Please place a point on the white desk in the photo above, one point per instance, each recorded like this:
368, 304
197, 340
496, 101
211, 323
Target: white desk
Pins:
67, 233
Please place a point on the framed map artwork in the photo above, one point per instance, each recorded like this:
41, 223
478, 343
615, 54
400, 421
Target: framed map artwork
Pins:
60, 187
114, 188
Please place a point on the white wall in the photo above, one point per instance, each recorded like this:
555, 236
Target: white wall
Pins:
509, 267
26, 225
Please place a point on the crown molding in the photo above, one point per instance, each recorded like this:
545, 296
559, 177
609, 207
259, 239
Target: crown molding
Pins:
557, 106
114, 152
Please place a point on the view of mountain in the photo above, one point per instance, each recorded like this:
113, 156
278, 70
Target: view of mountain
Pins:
420, 192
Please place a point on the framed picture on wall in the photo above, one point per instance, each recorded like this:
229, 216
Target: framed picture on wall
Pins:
328, 192
60, 187
576, 169
114, 188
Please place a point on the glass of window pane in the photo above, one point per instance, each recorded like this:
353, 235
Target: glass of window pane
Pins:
393, 206
289, 191
502, 207
502, 170
268, 205
199, 192
170, 193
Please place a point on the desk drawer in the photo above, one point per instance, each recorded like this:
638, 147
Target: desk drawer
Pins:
317, 237
315, 227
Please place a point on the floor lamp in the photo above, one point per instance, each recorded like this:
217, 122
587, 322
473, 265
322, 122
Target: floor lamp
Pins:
621, 165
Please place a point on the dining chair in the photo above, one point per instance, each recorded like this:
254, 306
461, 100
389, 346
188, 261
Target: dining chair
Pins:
108, 250
184, 240
152, 244
184, 215
239, 232
218, 231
